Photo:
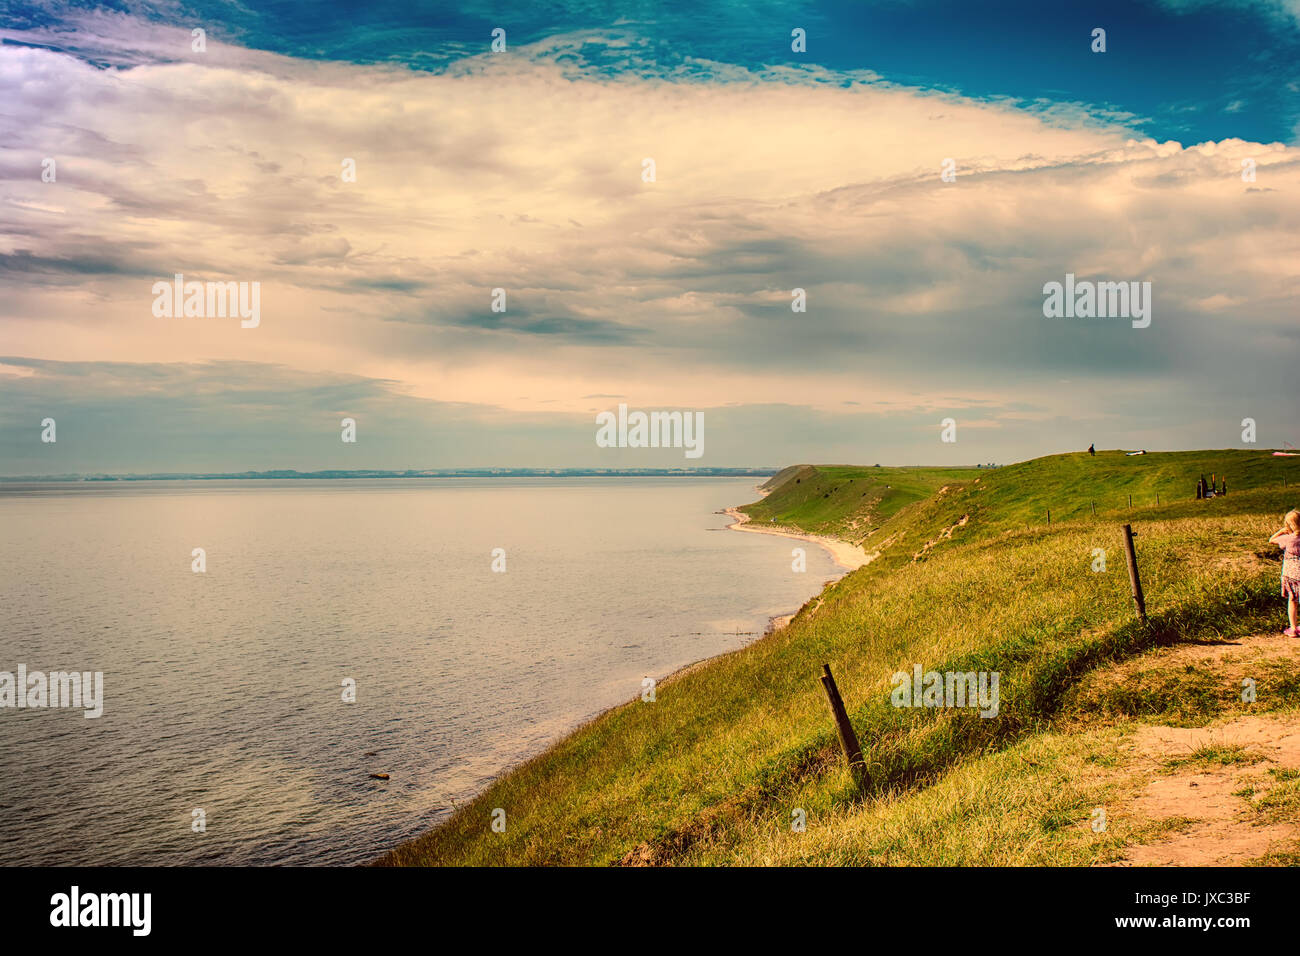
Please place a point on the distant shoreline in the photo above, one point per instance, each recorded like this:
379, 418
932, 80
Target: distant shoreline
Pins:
328, 475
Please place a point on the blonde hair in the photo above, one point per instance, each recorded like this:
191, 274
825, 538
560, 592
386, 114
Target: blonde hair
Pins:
1292, 521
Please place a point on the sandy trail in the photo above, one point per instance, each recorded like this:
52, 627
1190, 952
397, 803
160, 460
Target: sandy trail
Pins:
1223, 807
1223, 828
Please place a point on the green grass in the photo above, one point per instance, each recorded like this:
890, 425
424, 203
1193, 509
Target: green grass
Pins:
1281, 803
892, 508
710, 772
1215, 755
848, 501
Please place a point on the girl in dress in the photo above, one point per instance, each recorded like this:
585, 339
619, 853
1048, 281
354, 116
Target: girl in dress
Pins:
1288, 539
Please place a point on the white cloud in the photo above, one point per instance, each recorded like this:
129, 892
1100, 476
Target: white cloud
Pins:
512, 172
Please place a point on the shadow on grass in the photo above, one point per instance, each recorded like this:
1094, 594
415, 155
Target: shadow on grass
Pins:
906, 749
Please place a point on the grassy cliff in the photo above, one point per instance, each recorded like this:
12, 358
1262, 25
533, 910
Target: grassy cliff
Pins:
969, 577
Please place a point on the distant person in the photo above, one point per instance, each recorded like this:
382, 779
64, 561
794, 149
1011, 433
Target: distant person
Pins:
1288, 539
1092, 449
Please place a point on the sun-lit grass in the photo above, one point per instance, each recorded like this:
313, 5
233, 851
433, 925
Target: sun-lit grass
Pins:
848, 501
1032, 804
1215, 755
710, 771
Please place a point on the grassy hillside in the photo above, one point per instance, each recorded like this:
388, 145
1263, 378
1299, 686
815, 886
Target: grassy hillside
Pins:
969, 578
847, 501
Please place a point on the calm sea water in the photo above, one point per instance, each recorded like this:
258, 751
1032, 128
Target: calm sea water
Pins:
223, 690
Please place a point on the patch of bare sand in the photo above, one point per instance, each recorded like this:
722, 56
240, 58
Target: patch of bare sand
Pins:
944, 534
1256, 647
1224, 828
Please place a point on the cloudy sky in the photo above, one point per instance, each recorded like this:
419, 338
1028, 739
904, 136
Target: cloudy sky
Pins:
523, 170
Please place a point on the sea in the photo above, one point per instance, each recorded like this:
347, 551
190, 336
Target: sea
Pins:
270, 648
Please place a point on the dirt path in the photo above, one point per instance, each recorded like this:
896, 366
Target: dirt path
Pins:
1230, 791
1222, 802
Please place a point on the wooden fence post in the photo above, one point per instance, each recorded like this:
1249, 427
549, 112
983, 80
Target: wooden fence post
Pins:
848, 739
1094, 508
1135, 582
1130, 501
1049, 517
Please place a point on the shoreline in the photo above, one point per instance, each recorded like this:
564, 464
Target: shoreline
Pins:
848, 556
655, 840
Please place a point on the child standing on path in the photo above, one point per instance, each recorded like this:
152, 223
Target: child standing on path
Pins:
1288, 539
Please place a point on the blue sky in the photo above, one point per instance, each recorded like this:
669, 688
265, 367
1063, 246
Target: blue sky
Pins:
1189, 70
523, 171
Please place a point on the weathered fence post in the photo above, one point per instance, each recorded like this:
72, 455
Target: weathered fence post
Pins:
1134, 581
848, 739
1094, 508
1157, 499
1130, 501
1049, 517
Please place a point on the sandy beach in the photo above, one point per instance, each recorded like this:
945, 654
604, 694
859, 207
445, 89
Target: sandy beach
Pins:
846, 555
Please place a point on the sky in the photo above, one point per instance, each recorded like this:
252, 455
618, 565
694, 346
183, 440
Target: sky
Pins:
524, 170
